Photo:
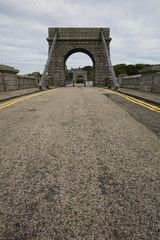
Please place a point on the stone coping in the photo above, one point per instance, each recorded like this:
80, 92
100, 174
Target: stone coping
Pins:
157, 73
132, 76
150, 69
8, 69
26, 76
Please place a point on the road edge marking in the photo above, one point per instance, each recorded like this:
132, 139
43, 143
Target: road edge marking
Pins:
20, 99
134, 100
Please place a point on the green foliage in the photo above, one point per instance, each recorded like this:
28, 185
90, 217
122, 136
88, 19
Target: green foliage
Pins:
120, 69
79, 80
128, 69
88, 69
70, 75
35, 74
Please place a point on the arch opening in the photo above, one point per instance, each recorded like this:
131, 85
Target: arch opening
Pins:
79, 67
80, 79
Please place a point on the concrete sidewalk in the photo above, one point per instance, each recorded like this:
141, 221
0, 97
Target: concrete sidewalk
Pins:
149, 96
4, 96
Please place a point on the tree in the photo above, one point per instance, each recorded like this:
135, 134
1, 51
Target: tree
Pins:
128, 69
120, 68
88, 69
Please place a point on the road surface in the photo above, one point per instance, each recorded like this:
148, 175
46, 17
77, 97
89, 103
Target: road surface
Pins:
75, 164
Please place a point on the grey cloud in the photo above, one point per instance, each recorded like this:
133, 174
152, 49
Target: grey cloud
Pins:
24, 26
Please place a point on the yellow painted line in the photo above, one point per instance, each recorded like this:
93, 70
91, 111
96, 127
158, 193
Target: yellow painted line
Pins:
134, 100
9, 103
147, 104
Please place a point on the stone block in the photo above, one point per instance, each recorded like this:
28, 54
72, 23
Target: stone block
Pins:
10, 81
78, 33
27, 81
150, 69
1, 83
156, 83
8, 69
132, 82
146, 82
150, 79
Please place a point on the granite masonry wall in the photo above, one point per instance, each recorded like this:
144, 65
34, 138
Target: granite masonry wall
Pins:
10, 80
25, 81
131, 82
148, 80
156, 83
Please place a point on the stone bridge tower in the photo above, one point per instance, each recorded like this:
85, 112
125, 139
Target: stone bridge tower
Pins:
79, 72
72, 40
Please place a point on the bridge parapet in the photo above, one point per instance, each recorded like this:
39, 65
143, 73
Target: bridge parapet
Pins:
148, 80
10, 80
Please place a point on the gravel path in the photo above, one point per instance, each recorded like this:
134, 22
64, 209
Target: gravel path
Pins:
77, 166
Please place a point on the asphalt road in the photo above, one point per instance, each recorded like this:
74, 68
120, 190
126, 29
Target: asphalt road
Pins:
142, 114
79, 164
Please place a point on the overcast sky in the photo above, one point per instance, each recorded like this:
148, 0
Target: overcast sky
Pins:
134, 29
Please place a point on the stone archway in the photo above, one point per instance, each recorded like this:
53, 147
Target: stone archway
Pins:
72, 40
79, 72
80, 79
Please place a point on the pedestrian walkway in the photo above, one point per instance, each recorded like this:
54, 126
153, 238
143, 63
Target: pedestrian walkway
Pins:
4, 96
149, 96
